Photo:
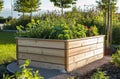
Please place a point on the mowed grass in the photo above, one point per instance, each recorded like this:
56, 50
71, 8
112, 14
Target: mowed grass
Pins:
7, 47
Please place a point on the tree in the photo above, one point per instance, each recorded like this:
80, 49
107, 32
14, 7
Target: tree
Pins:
1, 4
103, 6
63, 3
108, 7
27, 6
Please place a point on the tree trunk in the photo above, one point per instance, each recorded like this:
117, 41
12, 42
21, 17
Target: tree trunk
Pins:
62, 10
105, 22
23, 15
108, 26
31, 10
30, 15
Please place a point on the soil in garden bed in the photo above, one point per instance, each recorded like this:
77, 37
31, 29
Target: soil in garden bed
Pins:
111, 70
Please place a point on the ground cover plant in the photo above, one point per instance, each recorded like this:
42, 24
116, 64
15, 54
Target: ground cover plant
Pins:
7, 51
24, 73
7, 47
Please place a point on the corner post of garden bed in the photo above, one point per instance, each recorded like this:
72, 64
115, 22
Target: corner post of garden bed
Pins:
66, 56
17, 54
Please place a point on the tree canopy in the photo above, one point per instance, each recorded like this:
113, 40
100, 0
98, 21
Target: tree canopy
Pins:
1, 4
63, 3
103, 4
27, 6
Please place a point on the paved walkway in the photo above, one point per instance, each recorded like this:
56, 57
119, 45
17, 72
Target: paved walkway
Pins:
56, 74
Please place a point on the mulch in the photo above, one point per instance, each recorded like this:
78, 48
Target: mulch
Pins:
86, 71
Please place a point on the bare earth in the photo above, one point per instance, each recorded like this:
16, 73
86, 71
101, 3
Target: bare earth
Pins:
84, 70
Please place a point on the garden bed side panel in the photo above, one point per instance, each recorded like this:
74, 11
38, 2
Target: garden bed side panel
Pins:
42, 53
84, 51
60, 54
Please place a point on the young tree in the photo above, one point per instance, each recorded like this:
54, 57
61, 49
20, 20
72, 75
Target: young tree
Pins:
63, 3
108, 7
1, 4
27, 6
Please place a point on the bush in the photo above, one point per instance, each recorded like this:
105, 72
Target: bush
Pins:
116, 58
116, 35
43, 29
24, 73
3, 70
12, 23
99, 75
92, 31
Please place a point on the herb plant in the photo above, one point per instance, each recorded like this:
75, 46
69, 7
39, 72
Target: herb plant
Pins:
48, 30
99, 75
116, 58
24, 73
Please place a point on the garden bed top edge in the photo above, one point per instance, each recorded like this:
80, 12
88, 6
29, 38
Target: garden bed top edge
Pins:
26, 38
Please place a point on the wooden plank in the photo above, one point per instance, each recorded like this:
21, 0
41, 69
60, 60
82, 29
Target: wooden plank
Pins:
89, 41
39, 39
99, 51
74, 44
45, 44
76, 65
84, 62
43, 51
43, 65
80, 57
100, 45
74, 59
66, 56
42, 58
94, 58
79, 50
100, 39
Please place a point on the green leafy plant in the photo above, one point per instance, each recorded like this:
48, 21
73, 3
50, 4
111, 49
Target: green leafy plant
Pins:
24, 73
3, 70
47, 30
61, 32
72, 77
116, 58
92, 31
99, 75
116, 35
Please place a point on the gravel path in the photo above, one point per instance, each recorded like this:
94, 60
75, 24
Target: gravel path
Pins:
56, 74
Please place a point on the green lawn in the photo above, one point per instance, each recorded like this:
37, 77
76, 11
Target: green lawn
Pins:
7, 47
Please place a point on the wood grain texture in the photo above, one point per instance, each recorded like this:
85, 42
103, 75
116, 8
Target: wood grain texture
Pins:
61, 54
42, 58
43, 65
42, 51
45, 44
84, 62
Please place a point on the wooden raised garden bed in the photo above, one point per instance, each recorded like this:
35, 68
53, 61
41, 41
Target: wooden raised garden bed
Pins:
60, 54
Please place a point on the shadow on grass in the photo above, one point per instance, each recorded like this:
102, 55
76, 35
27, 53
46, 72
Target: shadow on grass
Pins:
7, 38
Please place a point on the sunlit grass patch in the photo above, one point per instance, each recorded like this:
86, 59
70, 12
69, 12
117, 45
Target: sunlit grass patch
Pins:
7, 47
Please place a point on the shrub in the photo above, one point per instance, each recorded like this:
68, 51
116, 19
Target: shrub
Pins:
92, 31
43, 29
35, 29
12, 23
116, 58
116, 35
99, 75
3, 70
24, 73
